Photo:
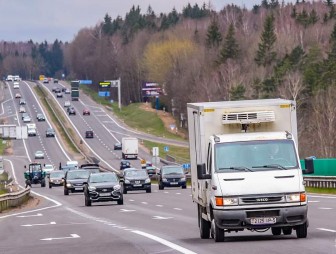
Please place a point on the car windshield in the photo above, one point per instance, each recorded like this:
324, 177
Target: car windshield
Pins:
36, 167
78, 175
57, 174
136, 173
172, 170
48, 167
103, 177
255, 156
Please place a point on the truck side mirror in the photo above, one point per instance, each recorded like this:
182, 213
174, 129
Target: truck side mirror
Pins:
201, 172
309, 165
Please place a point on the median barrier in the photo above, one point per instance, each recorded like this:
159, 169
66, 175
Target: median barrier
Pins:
14, 199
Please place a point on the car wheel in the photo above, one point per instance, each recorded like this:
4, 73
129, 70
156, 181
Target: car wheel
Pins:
87, 201
149, 190
204, 225
184, 186
66, 192
43, 183
217, 232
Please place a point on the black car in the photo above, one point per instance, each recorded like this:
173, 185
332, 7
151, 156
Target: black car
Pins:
124, 164
103, 187
136, 179
74, 180
54, 89
40, 117
55, 80
63, 89
71, 111
117, 146
172, 176
50, 132
89, 134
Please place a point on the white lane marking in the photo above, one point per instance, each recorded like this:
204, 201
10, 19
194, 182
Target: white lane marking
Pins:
178, 193
179, 209
325, 208
164, 242
328, 230
145, 203
161, 218
131, 200
34, 215
323, 196
159, 205
72, 236
33, 225
166, 192
313, 201
126, 211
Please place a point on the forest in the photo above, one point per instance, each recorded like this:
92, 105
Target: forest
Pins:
274, 50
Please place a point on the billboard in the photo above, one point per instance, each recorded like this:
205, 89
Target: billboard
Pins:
151, 89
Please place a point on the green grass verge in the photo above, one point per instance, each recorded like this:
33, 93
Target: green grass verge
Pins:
321, 190
135, 117
2, 146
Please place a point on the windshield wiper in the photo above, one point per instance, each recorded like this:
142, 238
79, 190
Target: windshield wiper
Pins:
238, 169
278, 166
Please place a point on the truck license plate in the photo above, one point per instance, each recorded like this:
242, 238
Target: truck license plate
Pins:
263, 220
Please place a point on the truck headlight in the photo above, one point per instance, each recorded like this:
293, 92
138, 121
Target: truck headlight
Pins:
164, 179
296, 197
127, 181
68, 185
116, 187
92, 188
220, 201
147, 180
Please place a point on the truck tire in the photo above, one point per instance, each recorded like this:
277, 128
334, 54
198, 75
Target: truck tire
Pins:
204, 225
301, 230
276, 231
217, 232
87, 201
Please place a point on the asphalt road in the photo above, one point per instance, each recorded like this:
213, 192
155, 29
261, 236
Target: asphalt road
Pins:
164, 221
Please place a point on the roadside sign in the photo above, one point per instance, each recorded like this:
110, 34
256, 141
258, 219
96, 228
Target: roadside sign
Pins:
155, 151
186, 165
156, 160
166, 148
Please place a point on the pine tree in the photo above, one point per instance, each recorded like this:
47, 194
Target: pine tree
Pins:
313, 17
329, 2
265, 54
230, 48
213, 37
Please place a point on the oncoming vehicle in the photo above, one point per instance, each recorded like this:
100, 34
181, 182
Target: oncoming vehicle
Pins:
26, 119
74, 180
17, 95
34, 175
39, 155
136, 179
47, 168
50, 132
71, 111
172, 176
124, 164
56, 178
117, 146
40, 117
86, 112
103, 187
22, 109
89, 134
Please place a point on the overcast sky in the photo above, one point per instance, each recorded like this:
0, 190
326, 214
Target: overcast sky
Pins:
39, 20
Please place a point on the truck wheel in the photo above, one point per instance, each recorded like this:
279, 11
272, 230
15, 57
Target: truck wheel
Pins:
217, 232
66, 192
43, 183
301, 230
87, 201
204, 225
287, 230
276, 231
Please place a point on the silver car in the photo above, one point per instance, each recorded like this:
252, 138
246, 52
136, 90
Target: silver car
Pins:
39, 155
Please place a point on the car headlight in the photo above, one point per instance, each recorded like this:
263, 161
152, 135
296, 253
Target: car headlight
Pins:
68, 184
221, 201
164, 179
183, 179
116, 187
127, 181
92, 188
148, 180
296, 197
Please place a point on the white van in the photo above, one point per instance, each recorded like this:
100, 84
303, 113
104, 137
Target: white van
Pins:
72, 163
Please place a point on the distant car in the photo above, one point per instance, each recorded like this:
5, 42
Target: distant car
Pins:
67, 104
55, 80
151, 170
54, 89
92, 167
45, 81
39, 155
16, 85
74, 180
136, 179
17, 95
56, 178
172, 176
124, 164
27, 119
89, 134
86, 112
50, 132
40, 117
103, 187
59, 95
22, 109
57, 90
47, 168
117, 146
67, 91
24, 115
71, 111
22, 101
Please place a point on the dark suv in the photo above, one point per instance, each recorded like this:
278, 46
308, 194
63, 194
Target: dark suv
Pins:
172, 176
136, 179
89, 134
103, 187
74, 180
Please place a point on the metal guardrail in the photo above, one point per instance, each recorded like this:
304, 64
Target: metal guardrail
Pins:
320, 181
13, 199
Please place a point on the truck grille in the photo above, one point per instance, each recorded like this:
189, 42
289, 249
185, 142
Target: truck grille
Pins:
262, 200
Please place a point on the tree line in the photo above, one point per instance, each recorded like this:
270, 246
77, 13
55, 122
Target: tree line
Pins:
276, 49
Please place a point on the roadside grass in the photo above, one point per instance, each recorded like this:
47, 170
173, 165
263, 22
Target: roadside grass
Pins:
135, 117
3, 177
2, 146
321, 190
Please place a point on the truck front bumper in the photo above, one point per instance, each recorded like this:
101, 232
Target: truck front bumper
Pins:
241, 219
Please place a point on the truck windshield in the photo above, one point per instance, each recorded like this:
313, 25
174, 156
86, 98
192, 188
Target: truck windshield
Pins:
255, 156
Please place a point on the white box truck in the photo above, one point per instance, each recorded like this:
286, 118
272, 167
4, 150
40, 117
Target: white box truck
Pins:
245, 168
31, 129
130, 147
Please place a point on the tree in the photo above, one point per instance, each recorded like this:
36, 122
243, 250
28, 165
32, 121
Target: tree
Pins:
230, 48
329, 3
213, 37
265, 55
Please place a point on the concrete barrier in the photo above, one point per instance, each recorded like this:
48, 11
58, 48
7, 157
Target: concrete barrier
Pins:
14, 199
